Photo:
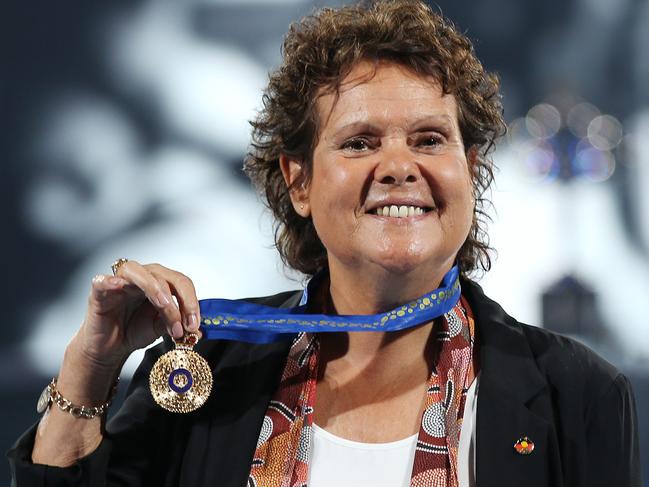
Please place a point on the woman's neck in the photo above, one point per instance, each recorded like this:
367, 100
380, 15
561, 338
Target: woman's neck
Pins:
355, 291
350, 292
374, 355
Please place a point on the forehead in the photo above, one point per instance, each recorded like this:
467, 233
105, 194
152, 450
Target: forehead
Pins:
384, 92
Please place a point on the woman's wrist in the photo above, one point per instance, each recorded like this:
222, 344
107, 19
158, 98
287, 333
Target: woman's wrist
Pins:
83, 380
63, 438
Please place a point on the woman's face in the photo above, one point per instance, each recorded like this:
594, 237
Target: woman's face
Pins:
390, 185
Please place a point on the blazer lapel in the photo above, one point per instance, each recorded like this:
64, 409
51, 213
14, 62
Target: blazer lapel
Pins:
513, 403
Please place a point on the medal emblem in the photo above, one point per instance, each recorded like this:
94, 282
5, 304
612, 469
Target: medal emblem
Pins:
181, 380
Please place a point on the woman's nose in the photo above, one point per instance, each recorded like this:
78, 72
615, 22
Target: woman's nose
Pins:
397, 166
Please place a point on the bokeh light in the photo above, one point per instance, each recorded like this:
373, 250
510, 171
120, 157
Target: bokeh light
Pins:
541, 161
543, 121
579, 118
583, 144
593, 164
604, 132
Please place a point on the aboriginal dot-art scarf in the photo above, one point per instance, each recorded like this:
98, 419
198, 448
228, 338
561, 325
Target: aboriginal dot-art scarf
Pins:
281, 458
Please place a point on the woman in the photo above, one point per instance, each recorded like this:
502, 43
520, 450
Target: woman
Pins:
372, 152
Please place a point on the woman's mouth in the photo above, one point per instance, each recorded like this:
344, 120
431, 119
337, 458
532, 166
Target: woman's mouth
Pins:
402, 211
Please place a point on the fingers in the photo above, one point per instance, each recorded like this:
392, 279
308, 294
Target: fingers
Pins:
183, 289
157, 291
102, 291
168, 310
160, 284
101, 284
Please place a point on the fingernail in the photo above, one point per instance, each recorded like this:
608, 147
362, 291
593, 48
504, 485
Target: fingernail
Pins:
177, 330
192, 322
162, 299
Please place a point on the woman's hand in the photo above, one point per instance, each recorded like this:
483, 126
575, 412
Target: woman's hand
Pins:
125, 312
132, 309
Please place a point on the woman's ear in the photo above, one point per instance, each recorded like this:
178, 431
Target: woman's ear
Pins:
293, 172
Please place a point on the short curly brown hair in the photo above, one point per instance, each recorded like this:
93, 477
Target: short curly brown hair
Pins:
318, 52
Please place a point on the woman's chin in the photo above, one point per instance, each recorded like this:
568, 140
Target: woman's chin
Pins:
405, 264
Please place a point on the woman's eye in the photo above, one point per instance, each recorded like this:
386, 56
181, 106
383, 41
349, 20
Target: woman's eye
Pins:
431, 141
356, 145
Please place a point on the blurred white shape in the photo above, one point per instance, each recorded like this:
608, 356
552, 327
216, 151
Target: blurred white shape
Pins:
626, 151
541, 161
543, 121
615, 268
536, 157
579, 117
517, 131
88, 183
204, 91
594, 165
526, 236
604, 132
544, 231
639, 151
214, 231
534, 127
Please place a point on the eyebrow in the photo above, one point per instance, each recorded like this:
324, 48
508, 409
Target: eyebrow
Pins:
434, 120
425, 122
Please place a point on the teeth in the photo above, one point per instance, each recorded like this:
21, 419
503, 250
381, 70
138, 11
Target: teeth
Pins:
400, 211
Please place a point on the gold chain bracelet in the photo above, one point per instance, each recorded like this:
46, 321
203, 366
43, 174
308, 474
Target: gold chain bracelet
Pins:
52, 395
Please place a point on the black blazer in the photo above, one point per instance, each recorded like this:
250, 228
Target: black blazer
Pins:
577, 409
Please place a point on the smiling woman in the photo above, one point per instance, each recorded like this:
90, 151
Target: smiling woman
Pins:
320, 53
389, 139
392, 368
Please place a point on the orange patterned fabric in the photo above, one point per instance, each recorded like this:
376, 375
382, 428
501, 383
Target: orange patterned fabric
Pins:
281, 458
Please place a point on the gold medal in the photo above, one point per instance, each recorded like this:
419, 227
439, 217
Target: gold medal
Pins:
181, 380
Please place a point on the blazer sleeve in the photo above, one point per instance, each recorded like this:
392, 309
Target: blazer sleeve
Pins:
612, 438
128, 454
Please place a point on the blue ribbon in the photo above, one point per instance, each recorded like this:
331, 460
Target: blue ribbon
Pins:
240, 320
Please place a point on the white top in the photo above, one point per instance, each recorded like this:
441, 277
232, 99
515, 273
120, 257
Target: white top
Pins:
466, 448
345, 463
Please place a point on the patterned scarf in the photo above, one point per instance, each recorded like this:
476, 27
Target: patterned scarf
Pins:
282, 455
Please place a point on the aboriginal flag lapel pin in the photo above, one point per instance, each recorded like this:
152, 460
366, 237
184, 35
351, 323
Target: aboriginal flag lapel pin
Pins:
524, 446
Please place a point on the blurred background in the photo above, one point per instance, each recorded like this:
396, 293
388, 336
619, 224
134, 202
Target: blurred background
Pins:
127, 127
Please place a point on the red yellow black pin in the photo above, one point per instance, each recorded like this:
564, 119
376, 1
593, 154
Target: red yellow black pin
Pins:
524, 446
